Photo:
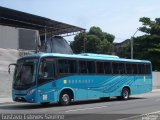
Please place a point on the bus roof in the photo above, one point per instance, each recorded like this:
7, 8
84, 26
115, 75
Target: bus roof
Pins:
86, 56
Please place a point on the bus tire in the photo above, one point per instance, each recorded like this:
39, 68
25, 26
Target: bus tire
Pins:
125, 94
65, 98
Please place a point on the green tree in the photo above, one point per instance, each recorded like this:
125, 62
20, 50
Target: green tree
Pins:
109, 37
96, 31
147, 46
150, 27
93, 41
105, 47
78, 44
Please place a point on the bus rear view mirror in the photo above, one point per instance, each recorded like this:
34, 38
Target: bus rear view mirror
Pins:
9, 69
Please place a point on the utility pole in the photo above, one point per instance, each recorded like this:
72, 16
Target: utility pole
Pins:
132, 43
45, 39
84, 42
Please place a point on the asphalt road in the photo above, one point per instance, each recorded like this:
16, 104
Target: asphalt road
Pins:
112, 109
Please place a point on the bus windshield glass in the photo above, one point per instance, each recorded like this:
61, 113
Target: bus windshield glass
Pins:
24, 76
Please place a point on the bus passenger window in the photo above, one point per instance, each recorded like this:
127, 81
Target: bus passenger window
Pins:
144, 69
107, 67
100, 67
91, 66
115, 67
83, 67
141, 68
72, 66
122, 68
63, 66
128, 68
148, 69
47, 70
135, 68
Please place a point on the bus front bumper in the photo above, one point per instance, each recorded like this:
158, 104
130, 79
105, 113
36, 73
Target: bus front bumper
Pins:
23, 96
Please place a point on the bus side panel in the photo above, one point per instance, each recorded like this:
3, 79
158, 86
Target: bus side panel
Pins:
116, 84
94, 86
143, 84
81, 94
77, 83
83, 86
47, 92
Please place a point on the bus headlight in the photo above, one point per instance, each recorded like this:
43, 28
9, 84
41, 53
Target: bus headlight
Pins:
30, 92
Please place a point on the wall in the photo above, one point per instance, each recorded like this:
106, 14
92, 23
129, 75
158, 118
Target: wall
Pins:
156, 80
17, 38
7, 56
8, 37
27, 39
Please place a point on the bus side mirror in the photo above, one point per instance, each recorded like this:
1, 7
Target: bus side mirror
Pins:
9, 69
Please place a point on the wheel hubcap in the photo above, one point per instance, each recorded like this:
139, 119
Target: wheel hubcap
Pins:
65, 98
125, 94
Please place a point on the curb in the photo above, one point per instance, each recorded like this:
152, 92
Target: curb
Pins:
6, 100
156, 90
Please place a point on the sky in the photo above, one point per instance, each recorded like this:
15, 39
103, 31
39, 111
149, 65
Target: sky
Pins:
118, 17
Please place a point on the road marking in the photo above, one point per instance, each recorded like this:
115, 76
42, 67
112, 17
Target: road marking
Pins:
139, 115
89, 108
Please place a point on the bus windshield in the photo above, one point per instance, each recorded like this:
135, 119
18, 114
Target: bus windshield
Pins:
24, 76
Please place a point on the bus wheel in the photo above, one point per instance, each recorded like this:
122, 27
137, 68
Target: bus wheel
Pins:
125, 94
65, 98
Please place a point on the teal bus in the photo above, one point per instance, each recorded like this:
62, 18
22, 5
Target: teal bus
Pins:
51, 77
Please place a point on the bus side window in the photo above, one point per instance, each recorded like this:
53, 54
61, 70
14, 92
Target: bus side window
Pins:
72, 66
63, 66
141, 68
122, 68
47, 70
144, 69
115, 67
128, 68
135, 68
100, 67
107, 67
91, 67
83, 67
148, 69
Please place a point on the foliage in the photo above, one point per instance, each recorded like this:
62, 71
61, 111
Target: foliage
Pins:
78, 44
147, 46
149, 26
105, 47
94, 41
